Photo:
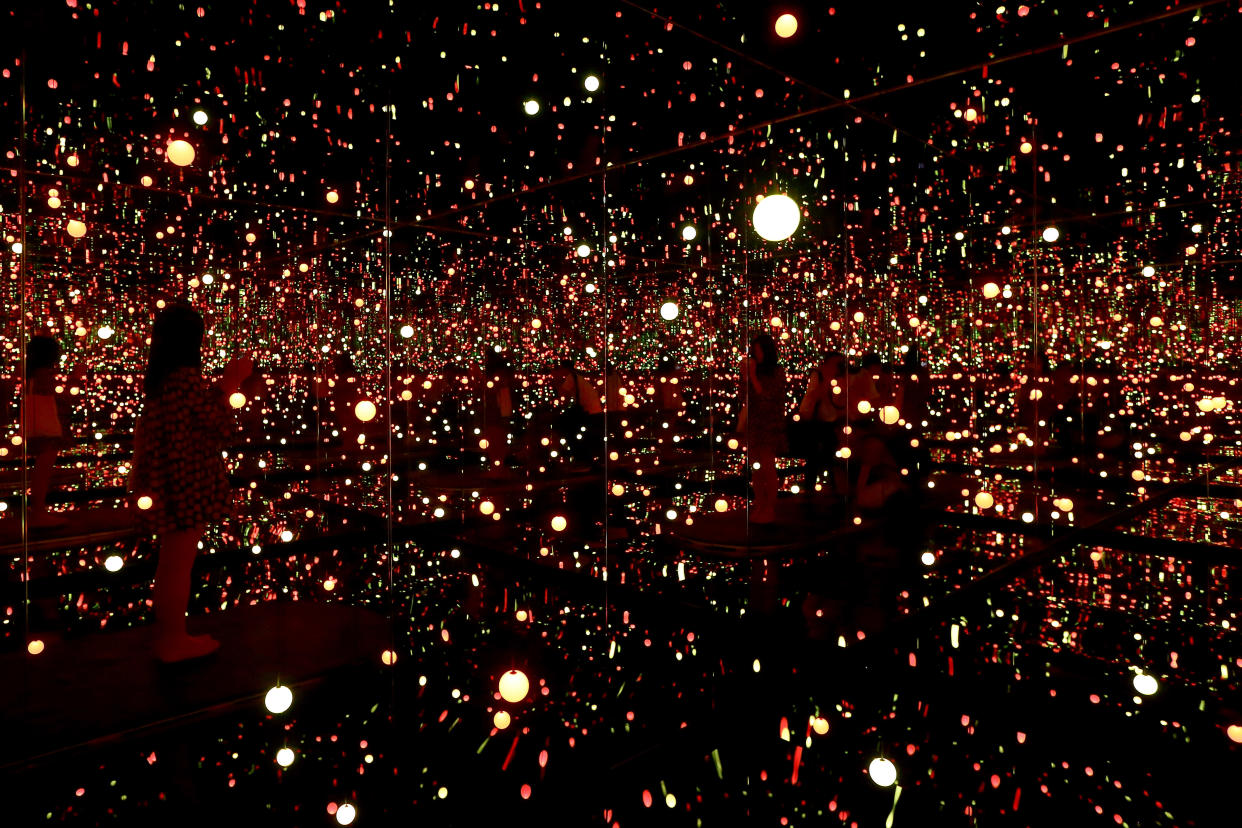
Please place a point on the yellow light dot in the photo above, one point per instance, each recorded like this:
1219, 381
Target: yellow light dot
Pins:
365, 411
514, 686
786, 25
34, 647
180, 153
144, 503
237, 399
487, 507
559, 523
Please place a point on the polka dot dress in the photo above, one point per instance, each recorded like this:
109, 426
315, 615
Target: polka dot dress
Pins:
177, 456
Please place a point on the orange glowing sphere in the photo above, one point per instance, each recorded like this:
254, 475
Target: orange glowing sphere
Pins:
181, 153
34, 647
984, 500
76, 228
820, 725
514, 686
1235, 733
721, 505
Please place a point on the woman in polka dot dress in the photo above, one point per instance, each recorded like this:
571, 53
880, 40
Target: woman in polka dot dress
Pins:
179, 474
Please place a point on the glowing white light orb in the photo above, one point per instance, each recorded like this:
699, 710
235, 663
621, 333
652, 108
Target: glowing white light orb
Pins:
180, 153
883, 772
113, 563
237, 399
584, 251
333, 196
721, 505
531, 106
991, 290
144, 503
689, 233
75, 228
889, 415
278, 699
776, 217
786, 25
346, 814
389, 657
1234, 732
514, 686
487, 507
984, 500
365, 411
1146, 684
559, 523
1051, 234
35, 647
928, 558
820, 725
502, 719
669, 310
407, 331
864, 407
284, 757
17, 248
1149, 271
200, 117
591, 83
105, 332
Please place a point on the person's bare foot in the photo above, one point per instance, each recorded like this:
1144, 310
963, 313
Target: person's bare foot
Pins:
185, 648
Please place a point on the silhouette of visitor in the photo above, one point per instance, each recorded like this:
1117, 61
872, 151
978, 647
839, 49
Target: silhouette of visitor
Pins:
44, 423
179, 476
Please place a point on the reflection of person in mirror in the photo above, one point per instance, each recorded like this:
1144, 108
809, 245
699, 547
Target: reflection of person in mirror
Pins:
179, 476
45, 419
765, 422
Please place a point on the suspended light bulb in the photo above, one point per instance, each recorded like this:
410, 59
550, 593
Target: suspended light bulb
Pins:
365, 411
346, 814
721, 505
689, 233
76, 228
200, 117
584, 250
1146, 684
180, 153
407, 331
776, 217
1051, 234
889, 415
237, 399
883, 772
105, 332
502, 719
113, 563
1149, 271
559, 523
514, 686
531, 106
786, 25
669, 311
591, 83
991, 290
984, 500
278, 699
284, 757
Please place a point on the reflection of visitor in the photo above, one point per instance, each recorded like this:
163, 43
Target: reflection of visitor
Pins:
765, 423
820, 416
44, 421
581, 422
179, 474
497, 411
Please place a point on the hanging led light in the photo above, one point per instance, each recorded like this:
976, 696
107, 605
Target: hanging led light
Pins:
776, 217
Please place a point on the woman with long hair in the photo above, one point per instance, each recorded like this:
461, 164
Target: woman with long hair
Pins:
179, 476
765, 423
